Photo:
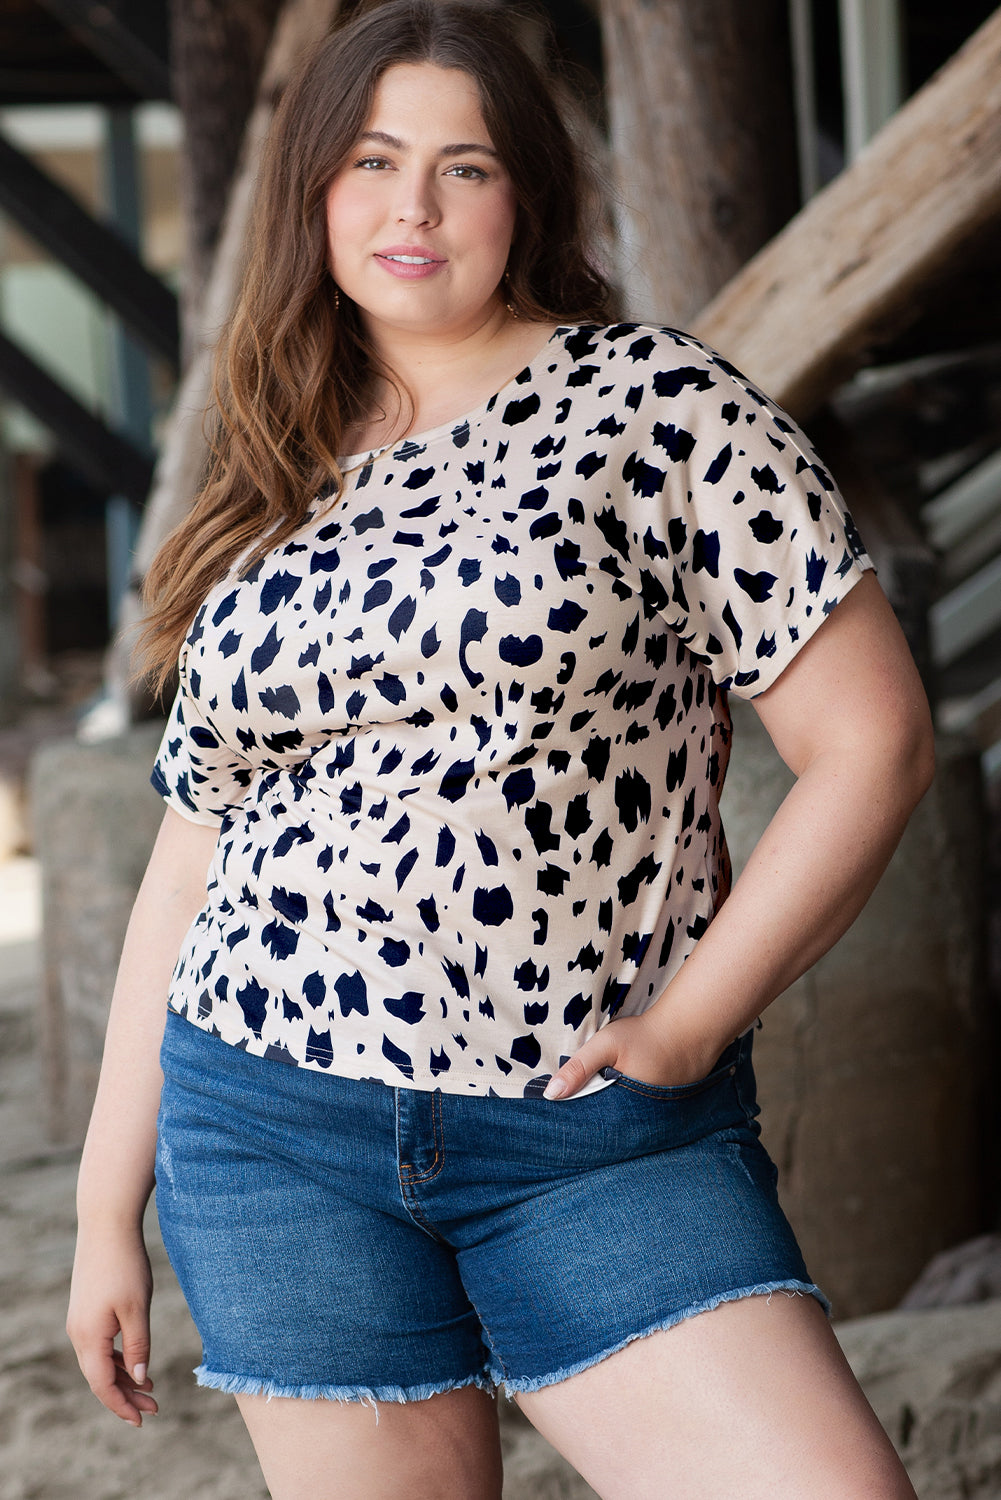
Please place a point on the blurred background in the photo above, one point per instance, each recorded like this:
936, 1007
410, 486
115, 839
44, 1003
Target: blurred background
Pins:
812, 186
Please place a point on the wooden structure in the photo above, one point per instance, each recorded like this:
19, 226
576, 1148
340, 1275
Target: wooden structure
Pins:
703, 145
217, 51
848, 271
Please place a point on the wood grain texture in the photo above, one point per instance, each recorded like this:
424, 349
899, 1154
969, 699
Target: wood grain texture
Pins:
217, 50
847, 272
703, 141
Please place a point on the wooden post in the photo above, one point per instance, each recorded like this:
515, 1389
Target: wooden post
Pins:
217, 51
847, 273
704, 142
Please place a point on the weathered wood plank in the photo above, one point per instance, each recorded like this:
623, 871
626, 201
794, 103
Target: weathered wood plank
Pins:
967, 613
847, 271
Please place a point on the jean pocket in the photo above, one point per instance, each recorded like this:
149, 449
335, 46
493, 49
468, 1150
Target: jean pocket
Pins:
724, 1067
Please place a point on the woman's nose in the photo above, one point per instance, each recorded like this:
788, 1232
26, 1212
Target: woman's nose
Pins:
417, 202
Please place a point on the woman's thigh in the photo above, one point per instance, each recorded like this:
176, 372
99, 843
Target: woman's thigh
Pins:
753, 1399
445, 1448
279, 1201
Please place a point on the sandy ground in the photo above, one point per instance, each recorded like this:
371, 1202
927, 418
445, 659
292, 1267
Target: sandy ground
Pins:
56, 1443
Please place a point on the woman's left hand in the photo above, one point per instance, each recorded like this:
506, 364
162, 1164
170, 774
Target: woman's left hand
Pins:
850, 719
648, 1047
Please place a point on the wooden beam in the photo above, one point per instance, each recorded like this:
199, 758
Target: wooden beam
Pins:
109, 461
972, 501
217, 52
846, 272
94, 253
128, 52
968, 613
977, 714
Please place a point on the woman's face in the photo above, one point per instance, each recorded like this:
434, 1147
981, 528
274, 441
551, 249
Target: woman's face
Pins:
421, 215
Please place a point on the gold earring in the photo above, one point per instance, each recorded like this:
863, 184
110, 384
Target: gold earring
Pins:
337, 298
506, 283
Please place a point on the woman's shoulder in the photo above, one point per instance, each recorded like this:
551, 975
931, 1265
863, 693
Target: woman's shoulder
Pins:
656, 350
657, 384
645, 364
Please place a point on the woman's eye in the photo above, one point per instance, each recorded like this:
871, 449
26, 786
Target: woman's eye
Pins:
463, 169
372, 163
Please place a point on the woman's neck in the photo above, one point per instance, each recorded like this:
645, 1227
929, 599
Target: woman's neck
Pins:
444, 378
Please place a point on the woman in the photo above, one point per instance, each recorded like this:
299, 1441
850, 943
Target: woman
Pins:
457, 1089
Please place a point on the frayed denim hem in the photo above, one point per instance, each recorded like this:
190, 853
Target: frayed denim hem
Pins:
764, 1289
254, 1385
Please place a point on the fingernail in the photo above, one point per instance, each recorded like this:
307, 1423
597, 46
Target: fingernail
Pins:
554, 1089
138, 1374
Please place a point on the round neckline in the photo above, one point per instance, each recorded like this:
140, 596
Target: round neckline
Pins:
356, 461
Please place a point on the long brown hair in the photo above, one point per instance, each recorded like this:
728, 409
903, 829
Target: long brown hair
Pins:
294, 367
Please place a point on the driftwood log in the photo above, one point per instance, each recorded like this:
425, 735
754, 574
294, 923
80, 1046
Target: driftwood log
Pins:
847, 272
703, 144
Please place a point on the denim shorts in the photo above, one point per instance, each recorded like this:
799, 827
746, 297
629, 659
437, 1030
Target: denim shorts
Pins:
350, 1240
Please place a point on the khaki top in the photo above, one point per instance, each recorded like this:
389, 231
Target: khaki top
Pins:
465, 734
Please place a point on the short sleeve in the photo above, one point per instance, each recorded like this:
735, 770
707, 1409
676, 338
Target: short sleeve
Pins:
755, 546
195, 772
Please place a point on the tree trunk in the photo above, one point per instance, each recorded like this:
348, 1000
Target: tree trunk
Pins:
217, 51
703, 137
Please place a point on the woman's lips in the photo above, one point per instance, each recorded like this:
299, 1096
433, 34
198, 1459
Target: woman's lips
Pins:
409, 262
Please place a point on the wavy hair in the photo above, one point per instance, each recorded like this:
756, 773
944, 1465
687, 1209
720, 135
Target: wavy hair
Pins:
294, 369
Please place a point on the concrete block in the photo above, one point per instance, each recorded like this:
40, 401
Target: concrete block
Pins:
94, 817
934, 1379
871, 1067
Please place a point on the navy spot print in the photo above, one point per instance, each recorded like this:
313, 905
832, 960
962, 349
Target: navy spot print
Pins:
493, 906
757, 586
471, 739
352, 993
520, 653
765, 527
676, 442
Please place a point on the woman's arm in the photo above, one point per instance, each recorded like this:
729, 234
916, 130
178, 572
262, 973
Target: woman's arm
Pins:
111, 1277
850, 719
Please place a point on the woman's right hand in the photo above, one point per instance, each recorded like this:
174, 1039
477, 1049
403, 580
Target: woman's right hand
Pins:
110, 1297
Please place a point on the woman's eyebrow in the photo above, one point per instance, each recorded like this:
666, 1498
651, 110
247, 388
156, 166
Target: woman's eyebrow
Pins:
462, 147
383, 138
